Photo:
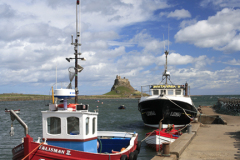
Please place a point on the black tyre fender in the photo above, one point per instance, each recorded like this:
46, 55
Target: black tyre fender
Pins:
132, 156
124, 157
139, 146
135, 154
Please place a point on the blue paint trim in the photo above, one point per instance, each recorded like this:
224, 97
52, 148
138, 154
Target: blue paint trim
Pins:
63, 97
88, 146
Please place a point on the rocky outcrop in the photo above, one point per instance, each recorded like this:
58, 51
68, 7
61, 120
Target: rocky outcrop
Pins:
121, 82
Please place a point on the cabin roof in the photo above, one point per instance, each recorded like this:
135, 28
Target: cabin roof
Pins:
70, 112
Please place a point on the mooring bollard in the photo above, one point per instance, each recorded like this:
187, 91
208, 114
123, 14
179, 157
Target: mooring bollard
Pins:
160, 128
166, 149
189, 129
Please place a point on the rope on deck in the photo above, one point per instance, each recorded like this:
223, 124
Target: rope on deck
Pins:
169, 132
33, 150
179, 107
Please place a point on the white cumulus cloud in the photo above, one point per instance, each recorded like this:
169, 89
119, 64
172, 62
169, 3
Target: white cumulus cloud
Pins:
179, 14
219, 32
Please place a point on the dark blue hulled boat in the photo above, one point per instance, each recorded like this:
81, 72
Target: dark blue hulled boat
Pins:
166, 103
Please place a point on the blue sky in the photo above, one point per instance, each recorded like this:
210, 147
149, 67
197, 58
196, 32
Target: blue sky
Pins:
121, 37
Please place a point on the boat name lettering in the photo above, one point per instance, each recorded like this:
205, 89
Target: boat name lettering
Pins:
166, 86
175, 114
72, 92
150, 113
54, 150
21, 147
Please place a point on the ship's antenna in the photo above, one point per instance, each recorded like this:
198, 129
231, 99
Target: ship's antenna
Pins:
168, 37
166, 74
164, 43
56, 76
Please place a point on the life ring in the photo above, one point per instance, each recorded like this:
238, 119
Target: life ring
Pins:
124, 157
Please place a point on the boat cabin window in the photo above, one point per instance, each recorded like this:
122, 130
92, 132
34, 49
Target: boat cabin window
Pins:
93, 125
155, 92
178, 92
170, 92
73, 125
163, 92
54, 125
87, 125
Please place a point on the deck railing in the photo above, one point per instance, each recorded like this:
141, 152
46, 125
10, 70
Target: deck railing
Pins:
145, 91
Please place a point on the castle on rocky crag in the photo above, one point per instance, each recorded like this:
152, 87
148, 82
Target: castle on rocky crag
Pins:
121, 82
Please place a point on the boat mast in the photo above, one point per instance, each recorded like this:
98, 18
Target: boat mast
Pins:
165, 74
76, 53
77, 67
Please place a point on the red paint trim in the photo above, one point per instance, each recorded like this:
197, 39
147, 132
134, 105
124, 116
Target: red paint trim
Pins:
70, 140
164, 133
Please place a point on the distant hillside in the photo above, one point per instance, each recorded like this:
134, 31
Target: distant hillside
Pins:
123, 88
22, 97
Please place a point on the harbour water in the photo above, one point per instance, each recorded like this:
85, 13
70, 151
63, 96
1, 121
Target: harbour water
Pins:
110, 119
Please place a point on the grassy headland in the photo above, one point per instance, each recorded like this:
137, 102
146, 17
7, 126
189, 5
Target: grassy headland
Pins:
121, 92
21, 97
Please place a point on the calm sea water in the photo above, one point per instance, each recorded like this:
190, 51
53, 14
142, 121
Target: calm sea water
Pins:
110, 119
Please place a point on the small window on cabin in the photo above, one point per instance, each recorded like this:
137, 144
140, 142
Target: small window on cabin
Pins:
93, 125
87, 125
178, 92
54, 125
163, 92
73, 125
155, 92
170, 92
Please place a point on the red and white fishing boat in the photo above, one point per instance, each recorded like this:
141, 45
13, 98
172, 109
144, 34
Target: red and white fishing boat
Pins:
8, 111
155, 139
69, 131
73, 135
